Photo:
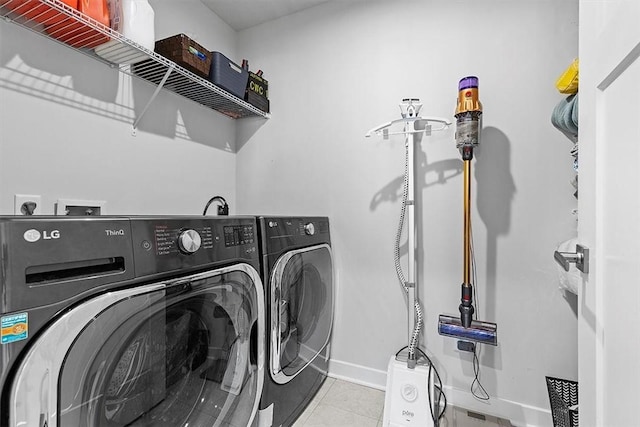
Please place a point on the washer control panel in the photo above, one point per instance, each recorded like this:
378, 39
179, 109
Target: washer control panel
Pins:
170, 240
174, 243
235, 235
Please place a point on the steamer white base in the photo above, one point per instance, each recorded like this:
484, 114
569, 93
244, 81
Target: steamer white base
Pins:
407, 395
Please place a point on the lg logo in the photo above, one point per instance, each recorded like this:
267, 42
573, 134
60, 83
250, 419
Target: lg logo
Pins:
34, 235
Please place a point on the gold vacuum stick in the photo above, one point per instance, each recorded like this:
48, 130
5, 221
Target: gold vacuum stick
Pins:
467, 223
468, 113
468, 125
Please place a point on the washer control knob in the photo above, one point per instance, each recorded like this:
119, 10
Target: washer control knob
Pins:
310, 229
189, 241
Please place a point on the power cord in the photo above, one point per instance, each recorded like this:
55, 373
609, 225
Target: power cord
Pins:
476, 385
477, 390
223, 209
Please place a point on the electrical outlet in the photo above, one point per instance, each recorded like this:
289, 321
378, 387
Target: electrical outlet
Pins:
74, 207
32, 204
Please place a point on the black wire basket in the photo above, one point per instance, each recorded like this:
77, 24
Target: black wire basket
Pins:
563, 395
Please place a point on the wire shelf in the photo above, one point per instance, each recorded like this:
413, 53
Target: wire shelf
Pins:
59, 22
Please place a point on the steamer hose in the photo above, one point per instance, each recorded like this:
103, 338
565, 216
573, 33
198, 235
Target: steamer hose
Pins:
413, 342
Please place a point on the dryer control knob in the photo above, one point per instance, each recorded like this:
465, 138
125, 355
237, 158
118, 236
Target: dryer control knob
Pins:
189, 241
310, 229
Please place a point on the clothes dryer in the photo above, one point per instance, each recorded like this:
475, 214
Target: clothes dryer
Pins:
297, 269
130, 321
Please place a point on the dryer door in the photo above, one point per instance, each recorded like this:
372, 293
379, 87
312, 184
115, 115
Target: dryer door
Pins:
301, 309
177, 353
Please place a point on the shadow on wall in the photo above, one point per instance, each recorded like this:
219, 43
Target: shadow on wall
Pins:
426, 175
495, 189
30, 68
245, 129
443, 170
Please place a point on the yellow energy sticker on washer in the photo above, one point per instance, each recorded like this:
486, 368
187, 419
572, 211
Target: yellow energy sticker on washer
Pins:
14, 328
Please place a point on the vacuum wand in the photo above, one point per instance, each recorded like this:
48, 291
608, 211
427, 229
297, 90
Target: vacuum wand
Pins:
468, 116
466, 301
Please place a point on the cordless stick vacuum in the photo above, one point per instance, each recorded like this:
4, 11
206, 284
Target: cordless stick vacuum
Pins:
468, 116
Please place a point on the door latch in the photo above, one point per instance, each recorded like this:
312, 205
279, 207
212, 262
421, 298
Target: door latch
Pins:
580, 258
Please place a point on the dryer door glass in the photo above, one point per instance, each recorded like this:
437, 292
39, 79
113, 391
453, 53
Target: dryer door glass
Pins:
301, 309
185, 354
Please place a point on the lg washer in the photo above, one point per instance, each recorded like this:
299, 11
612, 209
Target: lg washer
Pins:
130, 321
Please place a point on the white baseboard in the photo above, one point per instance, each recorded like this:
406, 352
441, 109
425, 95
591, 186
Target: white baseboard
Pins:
520, 415
358, 374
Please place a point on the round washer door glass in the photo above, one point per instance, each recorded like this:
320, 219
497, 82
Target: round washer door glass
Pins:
301, 309
183, 355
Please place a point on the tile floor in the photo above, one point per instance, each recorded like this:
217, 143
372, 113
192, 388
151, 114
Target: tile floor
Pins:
344, 404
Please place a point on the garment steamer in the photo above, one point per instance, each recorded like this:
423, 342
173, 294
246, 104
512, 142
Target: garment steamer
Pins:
410, 387
468, 116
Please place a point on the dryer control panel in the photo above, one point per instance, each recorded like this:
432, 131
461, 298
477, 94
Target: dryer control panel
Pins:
280, 233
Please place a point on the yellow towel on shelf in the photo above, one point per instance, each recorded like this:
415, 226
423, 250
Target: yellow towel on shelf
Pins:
568, 81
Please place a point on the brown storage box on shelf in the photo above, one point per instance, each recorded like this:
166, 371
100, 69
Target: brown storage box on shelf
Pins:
186, 53
257, 93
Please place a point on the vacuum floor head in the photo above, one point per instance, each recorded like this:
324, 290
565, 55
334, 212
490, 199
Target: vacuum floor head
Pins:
480, 332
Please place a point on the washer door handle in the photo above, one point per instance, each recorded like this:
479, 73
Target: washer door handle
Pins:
44, 401
284, 318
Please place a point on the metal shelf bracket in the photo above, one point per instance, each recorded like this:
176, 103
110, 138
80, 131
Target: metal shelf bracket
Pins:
153, 97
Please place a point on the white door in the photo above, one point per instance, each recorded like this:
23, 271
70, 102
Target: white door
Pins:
609, 212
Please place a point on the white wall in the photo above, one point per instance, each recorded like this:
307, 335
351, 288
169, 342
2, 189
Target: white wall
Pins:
66, 126
340, 69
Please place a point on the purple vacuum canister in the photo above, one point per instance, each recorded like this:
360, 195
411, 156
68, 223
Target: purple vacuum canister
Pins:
468, 82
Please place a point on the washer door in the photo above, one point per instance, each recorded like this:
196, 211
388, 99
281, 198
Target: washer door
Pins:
301, 309
177, 353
